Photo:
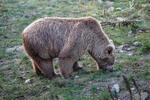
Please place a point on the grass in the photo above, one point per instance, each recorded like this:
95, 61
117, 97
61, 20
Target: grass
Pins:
16, 68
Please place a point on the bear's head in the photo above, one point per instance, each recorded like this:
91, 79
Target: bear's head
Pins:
104, 54
101, 48
107, 58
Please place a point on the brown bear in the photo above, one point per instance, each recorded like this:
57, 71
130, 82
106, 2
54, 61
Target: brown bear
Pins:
66, 39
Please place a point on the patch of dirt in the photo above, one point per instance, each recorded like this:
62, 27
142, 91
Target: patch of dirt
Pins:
6, 63
125, 49
16, 49
101, 85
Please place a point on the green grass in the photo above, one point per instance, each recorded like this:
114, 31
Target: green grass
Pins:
15, 15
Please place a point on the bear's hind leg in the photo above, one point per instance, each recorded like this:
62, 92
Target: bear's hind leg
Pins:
66, 67
76, 67
46, 67
35, 67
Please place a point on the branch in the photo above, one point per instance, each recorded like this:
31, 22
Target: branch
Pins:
137, 88
120, 23
128, 86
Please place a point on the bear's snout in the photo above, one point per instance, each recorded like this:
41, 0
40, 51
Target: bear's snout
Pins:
109, 69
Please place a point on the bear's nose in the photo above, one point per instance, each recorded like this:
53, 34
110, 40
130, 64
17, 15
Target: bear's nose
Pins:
110, 68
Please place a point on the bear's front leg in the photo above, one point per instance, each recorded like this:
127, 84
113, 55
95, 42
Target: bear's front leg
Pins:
66, 66
76, 67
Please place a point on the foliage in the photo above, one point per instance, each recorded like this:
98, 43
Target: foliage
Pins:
88, 84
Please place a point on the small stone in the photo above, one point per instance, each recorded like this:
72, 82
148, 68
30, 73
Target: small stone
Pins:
108, 4
19, 49
127, 9
132, 89
130, 32
118, 8
100, 1
145, 5
15, 48
94, 14
18, 61
140, 31
119, 49
144, 95
110, 9
56, 60
76, 76
135, 43
130, 53
120, 19
28, 80
60, 97
98, 88
115, 88
90, 82
48, 86
128, 48
10, 49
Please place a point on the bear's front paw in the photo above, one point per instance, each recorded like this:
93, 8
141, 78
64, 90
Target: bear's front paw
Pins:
66, 75
77, 68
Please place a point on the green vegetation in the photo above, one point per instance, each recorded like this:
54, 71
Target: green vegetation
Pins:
88, 84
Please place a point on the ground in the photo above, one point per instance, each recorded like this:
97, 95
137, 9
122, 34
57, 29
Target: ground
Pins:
132, 41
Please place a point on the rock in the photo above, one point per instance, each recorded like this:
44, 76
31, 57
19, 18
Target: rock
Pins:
125, 49
115, 88
110, 9
18, 61
108, 4
90, 82
10, 49
144, 95
128, 48
130, 53
60, 97
127, 9
28, 81
47, 86
119, 49
16, 49
118, 8
132, 89
136, 43
76, 76
100, 1
130, 32
98, 88
145, 5
20, 49
120, 19
56, 60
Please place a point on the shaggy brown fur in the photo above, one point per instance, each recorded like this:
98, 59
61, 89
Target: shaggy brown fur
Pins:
67, 39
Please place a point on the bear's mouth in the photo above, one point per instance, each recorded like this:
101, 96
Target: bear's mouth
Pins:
108, 69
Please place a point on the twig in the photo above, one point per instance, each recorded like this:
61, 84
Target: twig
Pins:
128, 86
136, 86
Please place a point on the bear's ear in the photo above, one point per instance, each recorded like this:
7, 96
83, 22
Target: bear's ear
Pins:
91, 23
108, 50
